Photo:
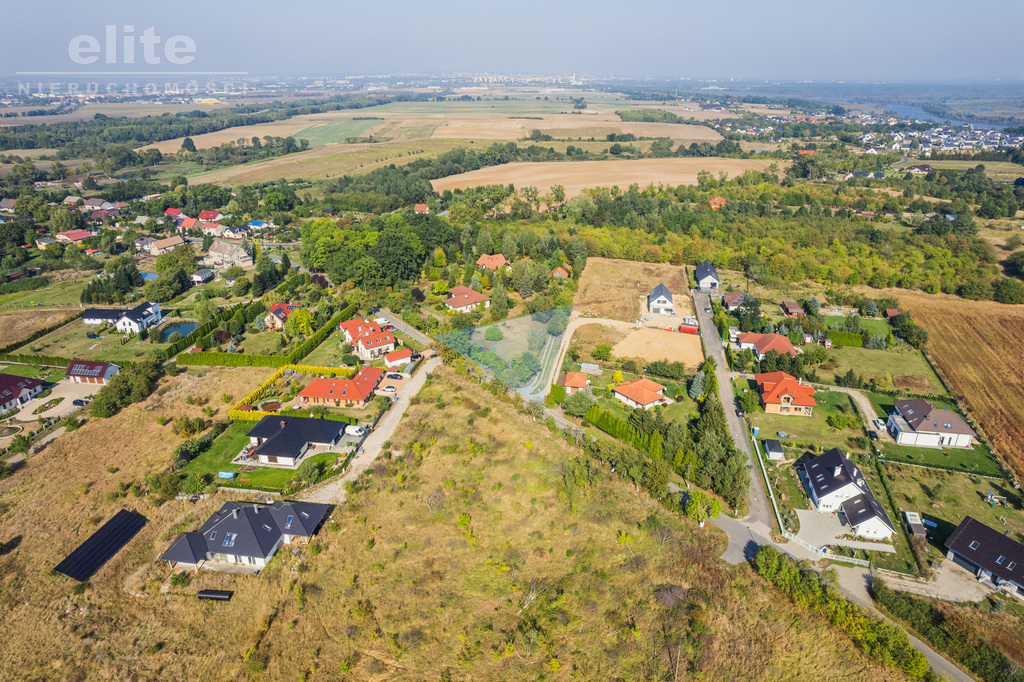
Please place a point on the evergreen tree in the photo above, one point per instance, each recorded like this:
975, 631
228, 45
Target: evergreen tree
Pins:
697, 386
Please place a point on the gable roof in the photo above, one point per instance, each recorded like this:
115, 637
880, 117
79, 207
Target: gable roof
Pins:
491, 262
75, 235
169, 242
657, 292
287, 436
774, 385
208, 215
730, 298
399, 354
282, 310
358, 388
88, 369
766, 342
358, 327
11, 386
377, 340
832, 471
559, 272
463, 296
864, 507
227, 249
791, 308
923, 417
173, 211
991, 544
575, 380
642, 391
189, 224
706, 269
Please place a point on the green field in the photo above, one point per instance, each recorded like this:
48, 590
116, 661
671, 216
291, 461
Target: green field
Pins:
917, 375
228, 445
991, 167
809, 431
264, 343
70, 342
977, 459
334, 131
903, 560
946, 498
66, 292
328, 353
47, 374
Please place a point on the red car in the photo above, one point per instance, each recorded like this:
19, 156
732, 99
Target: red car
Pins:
388, 328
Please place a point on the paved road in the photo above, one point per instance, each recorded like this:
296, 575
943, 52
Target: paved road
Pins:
333, 491
401, 326
757, 500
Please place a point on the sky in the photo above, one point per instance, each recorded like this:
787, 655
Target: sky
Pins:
748, 40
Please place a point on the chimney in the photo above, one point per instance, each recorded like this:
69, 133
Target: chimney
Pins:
282, 423
836, 470
234, 513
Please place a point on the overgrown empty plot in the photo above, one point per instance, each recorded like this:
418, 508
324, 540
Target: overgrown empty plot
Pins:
579, 175
20, 324
611, 288
651, 345
977, 346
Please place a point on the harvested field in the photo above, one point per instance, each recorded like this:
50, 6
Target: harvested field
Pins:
577, 176
16, 325
977, 345
611, 288
651, 345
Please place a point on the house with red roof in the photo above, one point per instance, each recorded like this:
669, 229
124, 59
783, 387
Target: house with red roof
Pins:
573, 381
717, 203
210, 216
762, 343
357, 327
354, 392
559, 273
421, 208
890, 313
73, 236
188, 224
277, 316
15, 391
373, 346
173, 212
494, 262
785, 394
642, 393
88, 372
402, 356
465, 300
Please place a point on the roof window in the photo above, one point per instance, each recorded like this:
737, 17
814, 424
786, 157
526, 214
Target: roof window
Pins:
974, 544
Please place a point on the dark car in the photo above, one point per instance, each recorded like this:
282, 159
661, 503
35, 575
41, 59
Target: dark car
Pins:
395, 376
740, 413
79, 403
873, 434
415, 356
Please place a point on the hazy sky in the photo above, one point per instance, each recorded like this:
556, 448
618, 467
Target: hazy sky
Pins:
892, 40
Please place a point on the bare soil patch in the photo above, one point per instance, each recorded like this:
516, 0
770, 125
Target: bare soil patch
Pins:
577, 176
913, 383
651, 345
19, 324
612, 288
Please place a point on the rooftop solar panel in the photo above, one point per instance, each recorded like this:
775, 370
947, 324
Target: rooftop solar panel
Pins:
97, 550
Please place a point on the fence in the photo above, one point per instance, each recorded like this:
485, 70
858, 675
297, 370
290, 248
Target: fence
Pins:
821, 553
767, 484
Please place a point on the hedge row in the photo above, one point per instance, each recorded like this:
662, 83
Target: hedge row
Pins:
250, 415
28, 284
310, 344
257, 415
213, 358
39, 333
845, 338
53, 360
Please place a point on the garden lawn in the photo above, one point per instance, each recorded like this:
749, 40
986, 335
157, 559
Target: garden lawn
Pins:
70, 342
264, 343
61, 293
974, 460
230, 443
809, 431
946, 497
897, 362
903, 560
47, 374
328, 353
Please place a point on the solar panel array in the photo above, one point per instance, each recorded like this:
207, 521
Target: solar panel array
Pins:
97, 550
83, 370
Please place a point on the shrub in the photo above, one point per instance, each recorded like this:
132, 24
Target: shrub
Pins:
180, 580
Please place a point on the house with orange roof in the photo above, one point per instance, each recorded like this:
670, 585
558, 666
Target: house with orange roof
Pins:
760, 344
782, 393
356, 391
717, 203
642, 393
559, 273
373, 346
357, 327
573, 381
494, 262
421, 208
402, 356
465, 300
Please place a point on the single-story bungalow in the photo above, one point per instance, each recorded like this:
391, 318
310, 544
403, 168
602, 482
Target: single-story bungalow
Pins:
641, 392
356, 391
15, 391
285, 440
465, 300
402, 356
88, 372
988, 553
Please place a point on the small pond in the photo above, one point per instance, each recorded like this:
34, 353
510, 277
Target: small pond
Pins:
184, 328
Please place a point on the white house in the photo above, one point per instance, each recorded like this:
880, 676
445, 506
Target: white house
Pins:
707, 277
773, 450
15, 391
918, 422
90, 372
659, 301
398, 358
837, 485
641, 392
142, 316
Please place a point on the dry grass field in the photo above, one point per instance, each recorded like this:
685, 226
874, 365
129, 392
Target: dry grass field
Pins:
19, 324
495, 579
977, 345
577, 176
612, 288
651, 345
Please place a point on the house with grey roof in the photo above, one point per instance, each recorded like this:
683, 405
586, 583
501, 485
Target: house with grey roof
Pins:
659, 301
285, 440
920, 423
707, 277
989, 554
247, 533
837, 485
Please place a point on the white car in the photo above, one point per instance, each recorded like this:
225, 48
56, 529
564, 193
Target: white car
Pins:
353, 430
389, 389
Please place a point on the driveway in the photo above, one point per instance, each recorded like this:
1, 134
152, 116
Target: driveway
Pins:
333, 491
401, 326
820, 529
951, 582
69, 390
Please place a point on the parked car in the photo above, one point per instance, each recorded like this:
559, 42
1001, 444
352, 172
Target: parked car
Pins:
740, 413
353, 430
390, 389
873, 434
707, 310
395, 376
387, 327
880, 424
415, 356
79, 403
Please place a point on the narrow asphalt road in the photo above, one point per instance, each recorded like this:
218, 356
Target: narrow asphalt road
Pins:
401, 326
759, 514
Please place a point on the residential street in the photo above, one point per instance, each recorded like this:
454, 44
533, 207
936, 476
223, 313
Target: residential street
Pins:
404, 328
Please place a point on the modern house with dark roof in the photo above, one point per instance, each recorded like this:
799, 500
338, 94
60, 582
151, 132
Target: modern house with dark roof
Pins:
989, 554
15, 391
284, 440
836, 484
89, 372
919, 422
246, 533
202, 276
131, 320
659, 301
707, 277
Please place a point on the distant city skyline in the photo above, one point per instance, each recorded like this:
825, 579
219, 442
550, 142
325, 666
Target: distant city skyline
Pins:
912, 41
